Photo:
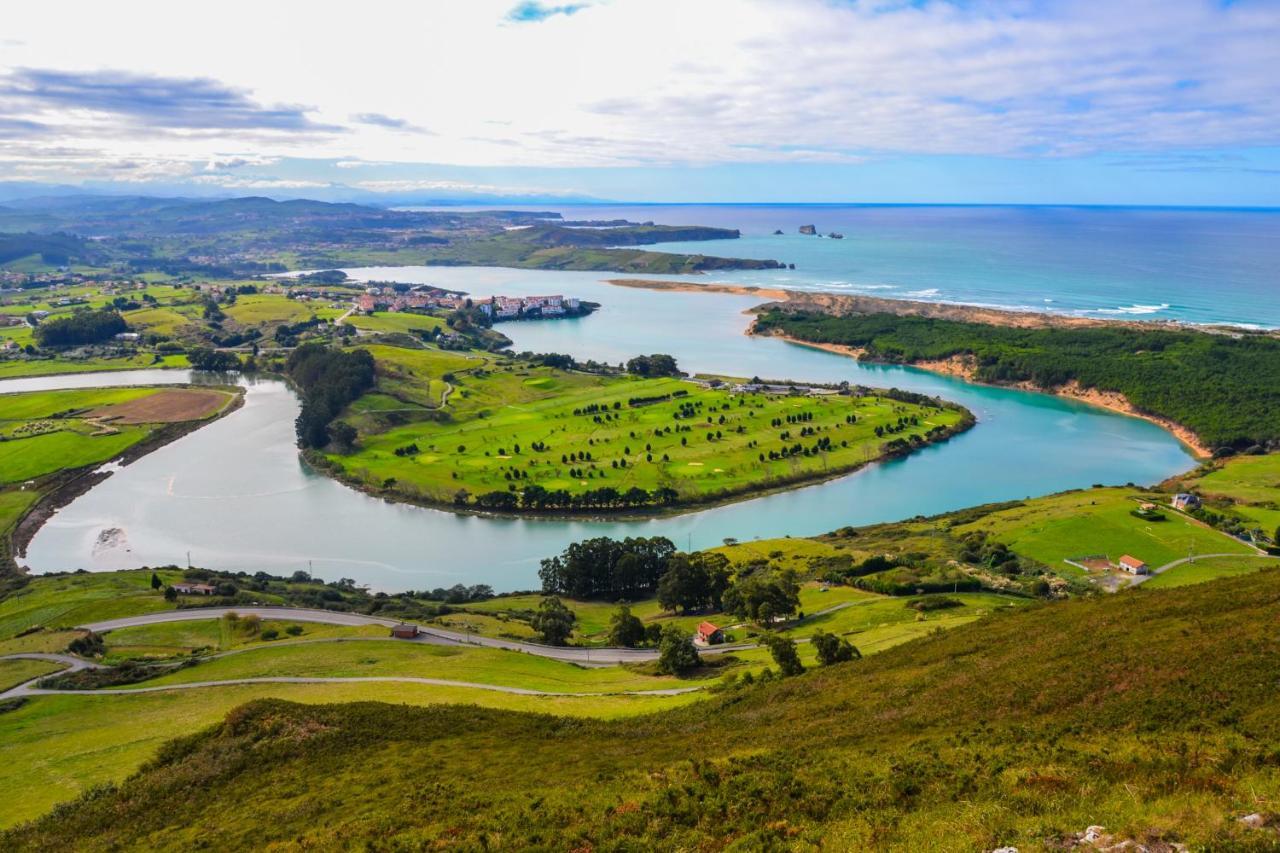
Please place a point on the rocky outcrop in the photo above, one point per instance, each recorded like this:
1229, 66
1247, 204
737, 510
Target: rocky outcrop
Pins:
808, 229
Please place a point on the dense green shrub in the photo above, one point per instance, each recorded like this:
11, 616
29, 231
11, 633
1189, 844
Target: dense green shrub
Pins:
1224, 387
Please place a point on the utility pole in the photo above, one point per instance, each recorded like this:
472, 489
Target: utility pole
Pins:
188, 559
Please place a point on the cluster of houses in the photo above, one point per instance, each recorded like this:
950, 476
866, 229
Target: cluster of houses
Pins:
511, 307
497, 307
386, 299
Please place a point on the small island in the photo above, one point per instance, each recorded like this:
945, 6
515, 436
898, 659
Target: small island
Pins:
535, 433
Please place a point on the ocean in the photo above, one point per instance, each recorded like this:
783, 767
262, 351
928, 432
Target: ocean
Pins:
1200, 266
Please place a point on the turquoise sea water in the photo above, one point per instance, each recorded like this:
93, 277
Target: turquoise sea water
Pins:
1193, 265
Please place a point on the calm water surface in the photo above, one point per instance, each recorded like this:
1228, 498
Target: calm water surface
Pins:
235, 495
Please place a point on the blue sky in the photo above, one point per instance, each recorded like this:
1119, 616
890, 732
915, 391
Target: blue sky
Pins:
1004, 101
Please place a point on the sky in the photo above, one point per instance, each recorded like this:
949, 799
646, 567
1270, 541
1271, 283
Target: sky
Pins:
1006, 101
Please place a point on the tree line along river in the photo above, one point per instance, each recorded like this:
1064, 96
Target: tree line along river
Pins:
236, 496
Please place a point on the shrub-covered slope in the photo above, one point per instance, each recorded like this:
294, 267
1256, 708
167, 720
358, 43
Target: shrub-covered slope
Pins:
1154, 714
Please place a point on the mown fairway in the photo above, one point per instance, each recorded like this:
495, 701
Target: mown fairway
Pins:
512, 426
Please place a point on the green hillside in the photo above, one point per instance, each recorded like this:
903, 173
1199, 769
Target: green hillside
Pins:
1151, 713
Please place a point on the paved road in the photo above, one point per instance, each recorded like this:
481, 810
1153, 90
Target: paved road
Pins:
572, 654
71, 663
27, 690
1141, 579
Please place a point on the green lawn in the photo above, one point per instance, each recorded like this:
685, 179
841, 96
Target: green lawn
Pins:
1058, 527
638, 433
54, 747
1207, 569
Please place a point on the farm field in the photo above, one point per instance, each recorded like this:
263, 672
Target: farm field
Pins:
48, 431
54, 747
515, 427
1098, 521
1208, 569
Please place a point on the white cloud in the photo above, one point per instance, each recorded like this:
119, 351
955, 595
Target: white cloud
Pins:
238, 161
404, 186
638, 82
238, 183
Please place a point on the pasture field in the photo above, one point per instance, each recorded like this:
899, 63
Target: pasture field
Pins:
1208, 569
54, 747
513, 426
18, 670
1252, 483
1098, 521
162, 321
394, 322
55, 601
172, 639
14, 504
15, 368
385, 657
273, 309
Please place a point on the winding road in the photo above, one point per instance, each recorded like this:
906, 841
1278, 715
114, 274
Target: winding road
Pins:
570, 654
576, 655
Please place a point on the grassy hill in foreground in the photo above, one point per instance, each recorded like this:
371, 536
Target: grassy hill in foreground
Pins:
1154, 714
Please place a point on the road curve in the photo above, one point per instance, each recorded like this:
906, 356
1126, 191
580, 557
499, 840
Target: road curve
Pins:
69, 661
26, 690
570, 654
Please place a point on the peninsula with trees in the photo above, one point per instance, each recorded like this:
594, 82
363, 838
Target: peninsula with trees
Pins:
537, 433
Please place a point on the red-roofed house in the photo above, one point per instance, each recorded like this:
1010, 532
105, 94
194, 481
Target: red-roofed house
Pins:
1133, 565
708, 634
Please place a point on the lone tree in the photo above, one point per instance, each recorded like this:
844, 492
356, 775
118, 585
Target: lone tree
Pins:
553, 621
156, 583
625, 628
676, 652
784, 653
832, 649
